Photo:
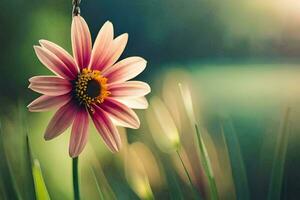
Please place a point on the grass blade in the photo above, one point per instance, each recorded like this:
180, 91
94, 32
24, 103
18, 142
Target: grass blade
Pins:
101, 197
29, 175
220, 163
175, 190
275, 186
10, 189
26, 159
237, 162
265, 161
196, 196
102, 181
39, 183
207, 166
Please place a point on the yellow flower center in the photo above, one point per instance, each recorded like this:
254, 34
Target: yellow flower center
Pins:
90, 87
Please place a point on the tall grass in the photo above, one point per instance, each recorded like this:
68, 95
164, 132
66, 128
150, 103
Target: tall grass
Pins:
174, 187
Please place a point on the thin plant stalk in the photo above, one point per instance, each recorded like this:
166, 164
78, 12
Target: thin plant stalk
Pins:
207, 166
75, 178
188, 175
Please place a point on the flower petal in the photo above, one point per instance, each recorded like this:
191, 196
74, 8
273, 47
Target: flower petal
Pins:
62, 54
121, 113
81, 42
50, 85
125, 69
79, 134
53, 63
107, 129
136, 103
114, 52
129, 89
101, 45
44, 102
61, 120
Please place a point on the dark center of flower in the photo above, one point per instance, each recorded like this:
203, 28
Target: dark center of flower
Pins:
90, 87
93, 88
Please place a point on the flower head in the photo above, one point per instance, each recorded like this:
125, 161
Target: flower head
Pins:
91, 83
162, 125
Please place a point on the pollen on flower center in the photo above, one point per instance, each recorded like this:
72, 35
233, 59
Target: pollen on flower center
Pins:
90, 87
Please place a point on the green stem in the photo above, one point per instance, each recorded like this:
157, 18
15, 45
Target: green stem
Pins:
75, 178
187, 174
207, 166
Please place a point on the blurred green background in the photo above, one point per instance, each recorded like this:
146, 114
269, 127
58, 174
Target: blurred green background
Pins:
242, 58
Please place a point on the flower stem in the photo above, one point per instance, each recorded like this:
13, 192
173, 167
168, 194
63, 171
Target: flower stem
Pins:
207, 166
76, 8
75, 178
187, 174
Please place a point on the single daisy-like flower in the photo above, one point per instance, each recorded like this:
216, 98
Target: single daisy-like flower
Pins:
91, 83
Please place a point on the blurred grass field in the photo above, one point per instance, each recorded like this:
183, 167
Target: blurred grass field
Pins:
240, 108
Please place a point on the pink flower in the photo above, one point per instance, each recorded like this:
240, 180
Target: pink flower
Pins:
90, 83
